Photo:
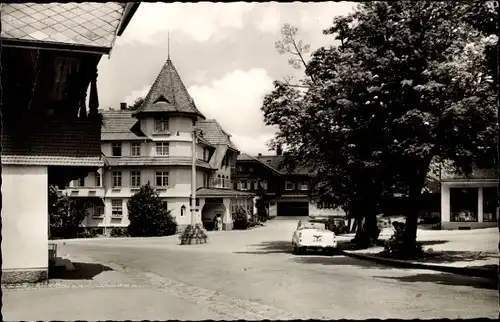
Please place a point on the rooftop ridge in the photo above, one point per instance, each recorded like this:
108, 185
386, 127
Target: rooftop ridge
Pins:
169, 84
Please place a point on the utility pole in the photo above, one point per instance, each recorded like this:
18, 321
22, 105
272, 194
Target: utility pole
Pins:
193, 177
498, 112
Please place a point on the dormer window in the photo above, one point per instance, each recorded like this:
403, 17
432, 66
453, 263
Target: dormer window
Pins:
161, 125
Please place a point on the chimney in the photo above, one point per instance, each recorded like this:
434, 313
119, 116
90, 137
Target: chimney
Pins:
260, 154
279, 150
123, 106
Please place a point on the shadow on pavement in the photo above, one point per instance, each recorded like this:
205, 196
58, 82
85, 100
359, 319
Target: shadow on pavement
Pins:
83, 271
454, 256
447, 279
270, 247
339, 260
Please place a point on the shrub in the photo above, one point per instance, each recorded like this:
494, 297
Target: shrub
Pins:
148, 214
240, 220
87, 233
65, 215
119, 232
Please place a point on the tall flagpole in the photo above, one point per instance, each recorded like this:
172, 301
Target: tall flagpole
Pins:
193, 178
168, 45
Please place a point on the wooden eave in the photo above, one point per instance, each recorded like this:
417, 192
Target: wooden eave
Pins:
45, 45
130, 10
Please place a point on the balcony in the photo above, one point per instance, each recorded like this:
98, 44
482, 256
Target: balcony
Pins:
84, 191
220, 183
294, 192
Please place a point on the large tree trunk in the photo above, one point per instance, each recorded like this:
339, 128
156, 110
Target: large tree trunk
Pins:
410, 236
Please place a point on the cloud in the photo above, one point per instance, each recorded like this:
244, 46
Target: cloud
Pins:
235, 100
253, 145
270, 21
130, 98
201, 21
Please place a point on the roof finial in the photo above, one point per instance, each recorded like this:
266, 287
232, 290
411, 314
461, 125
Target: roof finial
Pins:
168, 45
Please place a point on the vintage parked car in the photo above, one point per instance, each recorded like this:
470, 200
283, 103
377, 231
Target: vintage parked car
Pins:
312, 235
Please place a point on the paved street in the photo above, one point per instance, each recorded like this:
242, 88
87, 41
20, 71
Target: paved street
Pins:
241, 275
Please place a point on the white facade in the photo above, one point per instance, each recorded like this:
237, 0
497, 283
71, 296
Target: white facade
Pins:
25, 222
116, 184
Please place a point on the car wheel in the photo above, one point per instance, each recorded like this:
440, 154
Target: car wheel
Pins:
301, 250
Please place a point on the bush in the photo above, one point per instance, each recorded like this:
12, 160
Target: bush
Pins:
65, 215
337, 226
87, 233
240, 220
395, 247
119, 232
148, 215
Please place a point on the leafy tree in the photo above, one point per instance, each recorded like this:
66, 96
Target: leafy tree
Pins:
137, 103
408, 85
65, 215
148, 214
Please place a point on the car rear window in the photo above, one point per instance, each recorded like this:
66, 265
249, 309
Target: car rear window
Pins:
312, 225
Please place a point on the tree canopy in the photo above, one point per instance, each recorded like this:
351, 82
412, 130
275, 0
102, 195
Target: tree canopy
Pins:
410, 83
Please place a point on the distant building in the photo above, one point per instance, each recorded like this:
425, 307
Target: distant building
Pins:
469, 202
154, 144
288, 188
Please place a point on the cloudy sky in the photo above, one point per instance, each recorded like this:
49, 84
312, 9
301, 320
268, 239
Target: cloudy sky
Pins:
224, 52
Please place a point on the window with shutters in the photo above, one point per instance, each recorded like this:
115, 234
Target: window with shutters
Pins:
136, 149
135, 179
161, 125
116, 149
162, 149
117, 179
162, 179
116, 208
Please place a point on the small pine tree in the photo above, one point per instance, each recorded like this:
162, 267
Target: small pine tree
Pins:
148, 214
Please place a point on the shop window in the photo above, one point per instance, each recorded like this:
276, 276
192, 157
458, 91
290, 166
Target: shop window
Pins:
490, 204
463, 204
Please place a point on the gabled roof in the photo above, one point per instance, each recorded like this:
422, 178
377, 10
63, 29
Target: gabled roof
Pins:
168, 94
92, 25
120, 125
213, 133
276, 163
246, 157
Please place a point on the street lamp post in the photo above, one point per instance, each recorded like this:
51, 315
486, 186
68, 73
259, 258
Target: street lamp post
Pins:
193, 176
193, 233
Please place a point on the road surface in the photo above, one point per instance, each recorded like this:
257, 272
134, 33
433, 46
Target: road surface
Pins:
240, 275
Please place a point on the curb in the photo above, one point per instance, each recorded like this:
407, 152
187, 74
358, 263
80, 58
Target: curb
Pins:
466, 271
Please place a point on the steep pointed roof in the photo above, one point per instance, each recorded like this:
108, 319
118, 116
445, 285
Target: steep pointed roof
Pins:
168, 94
